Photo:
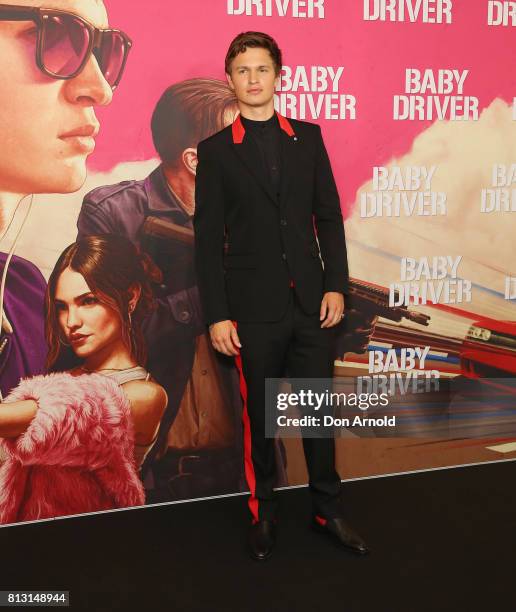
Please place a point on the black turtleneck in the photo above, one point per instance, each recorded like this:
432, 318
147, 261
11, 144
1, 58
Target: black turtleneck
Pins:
266, 135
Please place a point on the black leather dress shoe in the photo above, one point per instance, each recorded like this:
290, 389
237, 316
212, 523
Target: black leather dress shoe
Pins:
341, 533
262, 537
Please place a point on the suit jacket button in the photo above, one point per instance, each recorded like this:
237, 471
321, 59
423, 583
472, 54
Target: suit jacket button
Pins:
283, 222
284, 256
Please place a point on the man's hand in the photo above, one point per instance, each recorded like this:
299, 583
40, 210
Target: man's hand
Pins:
332, 308
224, 338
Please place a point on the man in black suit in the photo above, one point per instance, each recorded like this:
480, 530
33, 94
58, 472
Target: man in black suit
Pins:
261, 186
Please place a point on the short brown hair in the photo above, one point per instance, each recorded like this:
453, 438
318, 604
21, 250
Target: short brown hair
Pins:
244, 40
110, 265
188, 112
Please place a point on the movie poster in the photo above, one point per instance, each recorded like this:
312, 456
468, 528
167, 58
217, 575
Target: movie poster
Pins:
112, 396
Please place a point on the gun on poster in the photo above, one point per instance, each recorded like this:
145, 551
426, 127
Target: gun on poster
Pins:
364, 296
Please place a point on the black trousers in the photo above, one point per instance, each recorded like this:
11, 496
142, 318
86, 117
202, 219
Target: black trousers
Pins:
295, 345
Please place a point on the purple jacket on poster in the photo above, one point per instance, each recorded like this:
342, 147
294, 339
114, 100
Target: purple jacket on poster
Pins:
23, 352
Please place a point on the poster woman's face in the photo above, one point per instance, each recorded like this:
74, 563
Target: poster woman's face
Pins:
88, 325
47, 125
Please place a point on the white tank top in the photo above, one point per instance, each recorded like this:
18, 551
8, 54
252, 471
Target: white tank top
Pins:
122, 377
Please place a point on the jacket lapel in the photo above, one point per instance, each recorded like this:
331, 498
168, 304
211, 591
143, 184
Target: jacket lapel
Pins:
248, 153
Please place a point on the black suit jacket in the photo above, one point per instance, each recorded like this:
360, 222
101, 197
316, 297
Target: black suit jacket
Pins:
251, 243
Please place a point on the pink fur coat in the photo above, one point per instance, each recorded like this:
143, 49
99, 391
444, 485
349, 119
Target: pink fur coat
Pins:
76, 455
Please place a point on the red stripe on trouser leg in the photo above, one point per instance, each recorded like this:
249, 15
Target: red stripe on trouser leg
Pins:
248, 461
320, 520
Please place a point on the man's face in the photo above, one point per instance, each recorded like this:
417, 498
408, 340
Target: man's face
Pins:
48, 125
253, 77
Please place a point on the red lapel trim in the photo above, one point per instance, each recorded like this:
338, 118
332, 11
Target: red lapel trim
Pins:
238, 129
285, 125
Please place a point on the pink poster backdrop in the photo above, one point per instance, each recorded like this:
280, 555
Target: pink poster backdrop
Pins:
184, 39
417, 101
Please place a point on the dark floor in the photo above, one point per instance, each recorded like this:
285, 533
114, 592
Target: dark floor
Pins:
442, 541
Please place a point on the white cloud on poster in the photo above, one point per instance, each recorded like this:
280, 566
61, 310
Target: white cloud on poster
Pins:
465, 153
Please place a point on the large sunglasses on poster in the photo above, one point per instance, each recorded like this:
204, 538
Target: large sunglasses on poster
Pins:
65, 42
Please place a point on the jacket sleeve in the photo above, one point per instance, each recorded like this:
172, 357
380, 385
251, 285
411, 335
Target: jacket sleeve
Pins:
209, 237
329, 223
82, 423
